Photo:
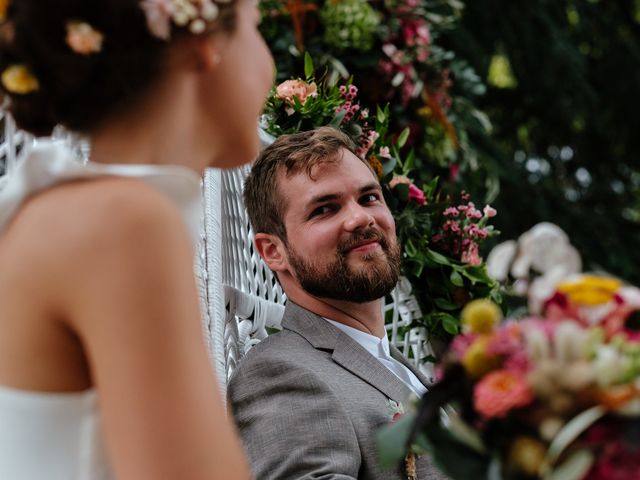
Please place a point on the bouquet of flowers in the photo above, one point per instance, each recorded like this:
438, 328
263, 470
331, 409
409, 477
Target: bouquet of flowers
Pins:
440, 233
555, 396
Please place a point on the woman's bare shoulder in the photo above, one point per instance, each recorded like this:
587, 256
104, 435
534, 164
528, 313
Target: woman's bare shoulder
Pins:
87, 215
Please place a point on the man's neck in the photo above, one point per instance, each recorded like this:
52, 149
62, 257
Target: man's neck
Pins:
366, 317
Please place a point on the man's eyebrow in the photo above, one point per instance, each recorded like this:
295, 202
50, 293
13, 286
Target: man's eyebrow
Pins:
370, 186
336, 196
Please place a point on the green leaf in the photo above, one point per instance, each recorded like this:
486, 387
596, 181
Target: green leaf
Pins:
443, 304
308, 65
388, 165
572, 430
392, 441
380, 115
575, 468
450, 324
456, 279
402, 139
337, 120
409, 161
410, 248
438, 257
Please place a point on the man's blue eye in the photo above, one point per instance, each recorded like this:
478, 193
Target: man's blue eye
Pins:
320, 211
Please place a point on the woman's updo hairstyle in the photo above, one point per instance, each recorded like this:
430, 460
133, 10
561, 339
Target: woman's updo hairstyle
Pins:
80, 90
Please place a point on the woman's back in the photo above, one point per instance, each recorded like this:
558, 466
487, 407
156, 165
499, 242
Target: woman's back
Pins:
51, 424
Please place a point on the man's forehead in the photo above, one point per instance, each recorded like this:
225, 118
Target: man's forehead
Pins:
334, 168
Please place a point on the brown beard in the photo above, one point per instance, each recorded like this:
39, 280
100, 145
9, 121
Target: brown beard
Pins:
338, 281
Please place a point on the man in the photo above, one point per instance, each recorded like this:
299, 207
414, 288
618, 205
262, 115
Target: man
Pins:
309, 400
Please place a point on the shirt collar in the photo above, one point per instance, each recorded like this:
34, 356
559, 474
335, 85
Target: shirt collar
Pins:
378, 347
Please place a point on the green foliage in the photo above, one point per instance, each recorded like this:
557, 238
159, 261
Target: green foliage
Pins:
566, 147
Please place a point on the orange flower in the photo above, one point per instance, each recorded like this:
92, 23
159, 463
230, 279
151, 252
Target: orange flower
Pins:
499, 392
4, 6
375, 165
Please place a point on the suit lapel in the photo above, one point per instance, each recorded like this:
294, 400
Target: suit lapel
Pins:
397, 355
346, 352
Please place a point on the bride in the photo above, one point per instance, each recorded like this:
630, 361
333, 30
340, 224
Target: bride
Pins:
103, 368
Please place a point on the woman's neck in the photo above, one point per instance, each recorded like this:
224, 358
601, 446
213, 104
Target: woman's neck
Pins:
163, 129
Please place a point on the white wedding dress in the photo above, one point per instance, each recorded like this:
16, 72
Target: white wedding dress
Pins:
57, 436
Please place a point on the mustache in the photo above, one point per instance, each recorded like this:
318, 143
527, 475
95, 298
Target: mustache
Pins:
370, 234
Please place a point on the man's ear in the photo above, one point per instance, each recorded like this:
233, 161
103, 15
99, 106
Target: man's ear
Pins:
272, 250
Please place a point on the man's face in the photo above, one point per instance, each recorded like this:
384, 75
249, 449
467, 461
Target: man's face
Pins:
341, 240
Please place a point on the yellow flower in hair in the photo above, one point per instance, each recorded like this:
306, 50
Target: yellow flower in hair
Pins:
4, 6
480, 316
19, 79
590, 290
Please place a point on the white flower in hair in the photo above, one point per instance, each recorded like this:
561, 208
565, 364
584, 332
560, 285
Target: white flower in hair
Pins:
192, 13
159, 14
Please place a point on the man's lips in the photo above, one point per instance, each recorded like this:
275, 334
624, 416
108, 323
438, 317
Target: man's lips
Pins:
365, 246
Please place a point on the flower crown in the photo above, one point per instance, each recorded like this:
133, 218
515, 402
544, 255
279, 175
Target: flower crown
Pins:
84, 39
194, 14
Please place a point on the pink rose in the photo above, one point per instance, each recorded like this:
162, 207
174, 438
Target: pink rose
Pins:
416, 195
290, 89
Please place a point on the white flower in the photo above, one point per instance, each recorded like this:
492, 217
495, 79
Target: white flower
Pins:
569, 342
537, 344
610, 366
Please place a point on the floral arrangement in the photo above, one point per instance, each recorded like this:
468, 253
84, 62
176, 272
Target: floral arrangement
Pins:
441, 258
392, 50
554, 396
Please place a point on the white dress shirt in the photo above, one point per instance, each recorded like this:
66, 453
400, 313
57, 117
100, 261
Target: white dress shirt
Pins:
379, 348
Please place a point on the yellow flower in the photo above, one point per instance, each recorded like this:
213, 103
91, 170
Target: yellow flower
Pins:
19, 79
590, 290
527, 455
477, 361
480, 316
4, 6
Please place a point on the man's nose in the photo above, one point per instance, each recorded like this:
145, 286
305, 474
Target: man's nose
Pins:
356, 216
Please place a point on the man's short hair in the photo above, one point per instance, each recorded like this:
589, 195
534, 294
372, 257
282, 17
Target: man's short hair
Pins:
290, 154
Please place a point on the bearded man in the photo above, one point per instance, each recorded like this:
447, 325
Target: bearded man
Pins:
309, 400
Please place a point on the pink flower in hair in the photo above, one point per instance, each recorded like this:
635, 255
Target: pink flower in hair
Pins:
159, 14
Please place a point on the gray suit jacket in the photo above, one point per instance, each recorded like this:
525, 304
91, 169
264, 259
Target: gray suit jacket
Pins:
309, 400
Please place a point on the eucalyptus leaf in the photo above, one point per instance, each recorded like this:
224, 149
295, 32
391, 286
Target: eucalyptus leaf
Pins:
392, 441
388, 165
337, 120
